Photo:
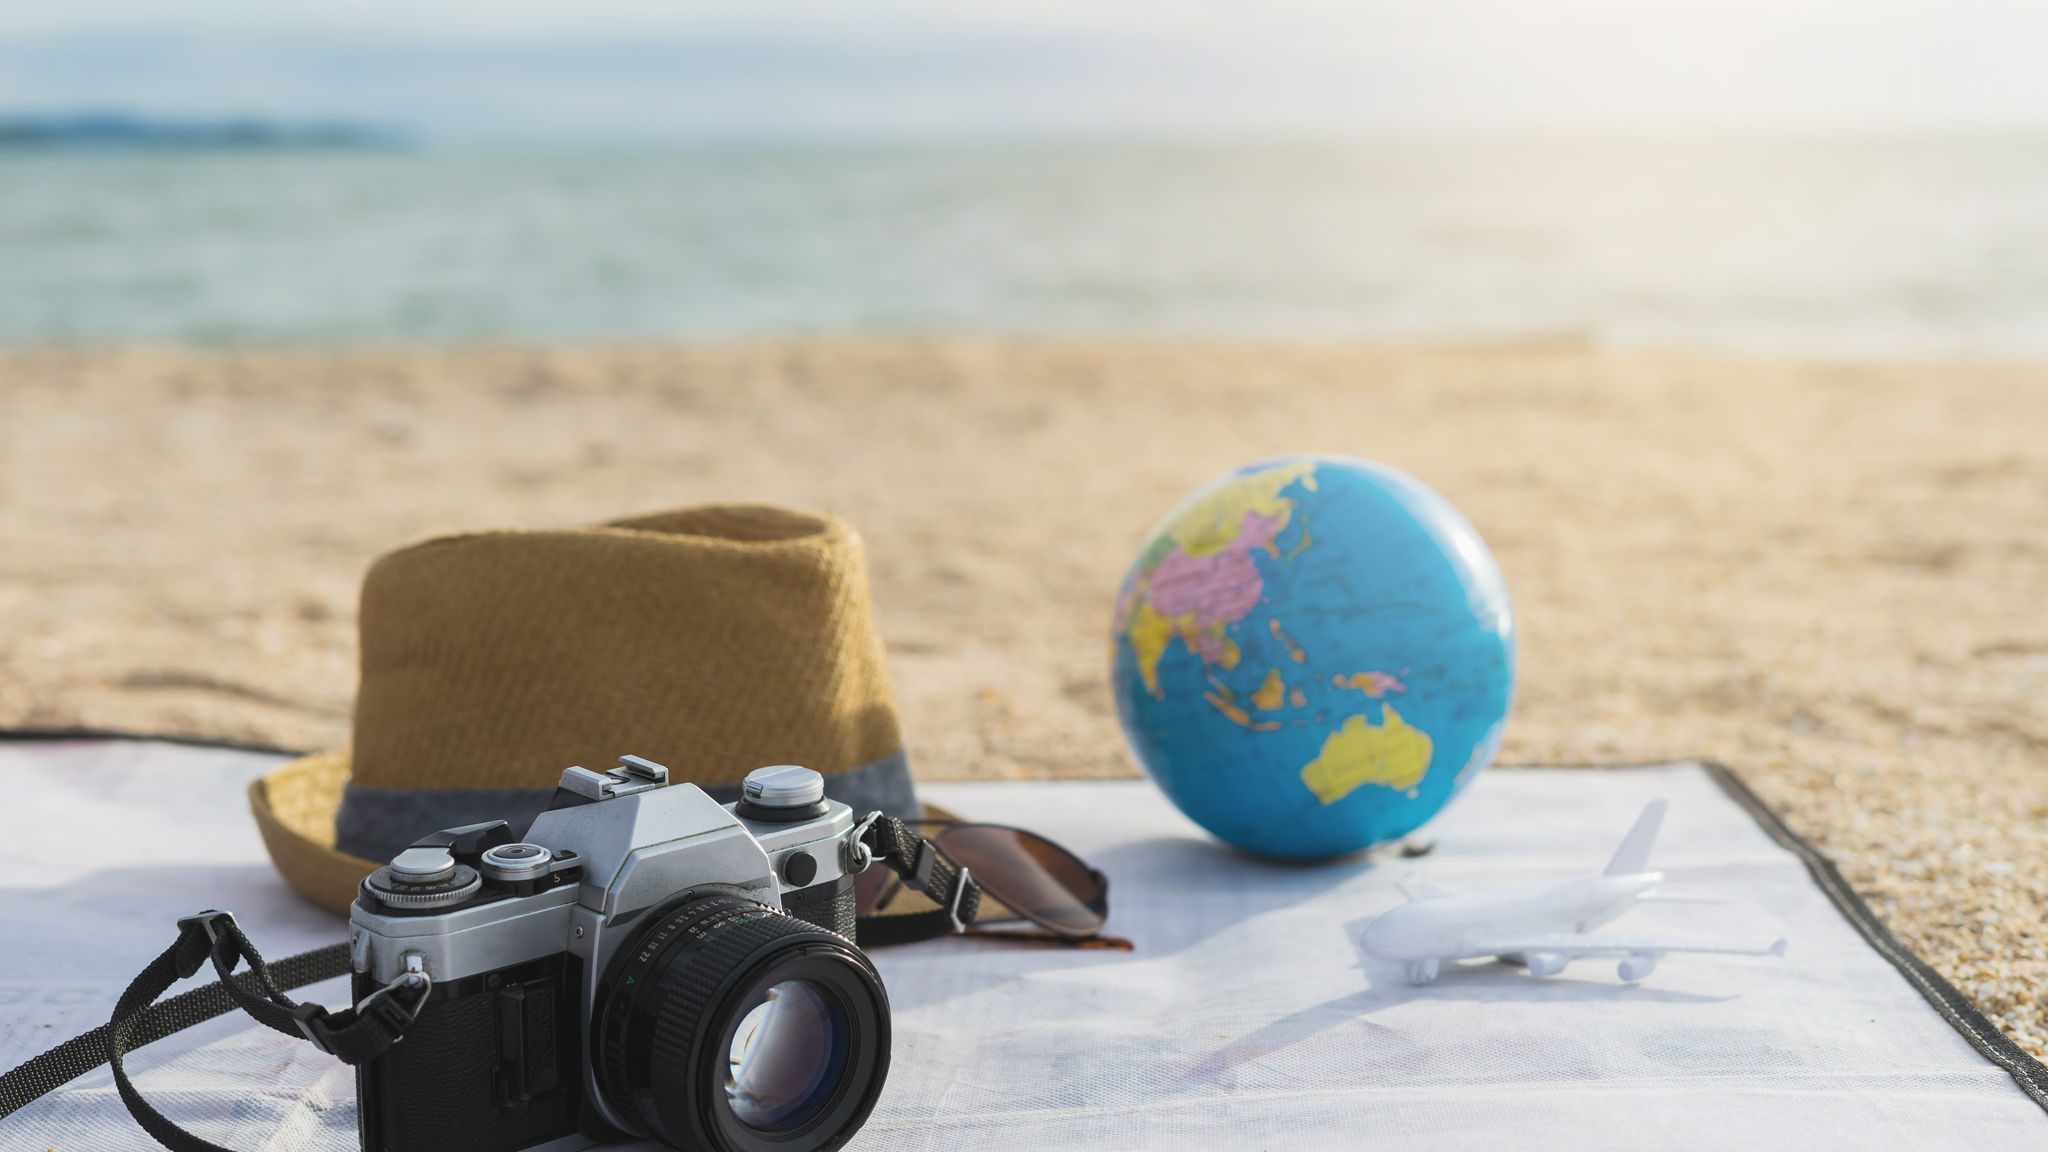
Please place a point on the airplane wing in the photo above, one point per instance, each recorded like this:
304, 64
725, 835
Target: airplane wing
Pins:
1573, 944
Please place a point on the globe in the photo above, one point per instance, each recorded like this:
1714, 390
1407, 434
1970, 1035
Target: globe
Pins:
1312, 655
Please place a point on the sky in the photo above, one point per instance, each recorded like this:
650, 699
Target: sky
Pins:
606, 70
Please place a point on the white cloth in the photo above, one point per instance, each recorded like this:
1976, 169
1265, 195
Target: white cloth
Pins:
1245, 1019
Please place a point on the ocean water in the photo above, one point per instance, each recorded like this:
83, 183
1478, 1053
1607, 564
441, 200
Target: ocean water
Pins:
1858, 247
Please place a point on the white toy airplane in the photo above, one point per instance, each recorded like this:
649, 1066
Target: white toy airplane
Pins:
1543, 926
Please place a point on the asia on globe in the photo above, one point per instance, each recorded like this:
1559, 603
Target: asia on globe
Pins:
1312, 655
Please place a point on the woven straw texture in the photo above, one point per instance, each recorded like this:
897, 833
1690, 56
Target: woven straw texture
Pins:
294, 807
713, 640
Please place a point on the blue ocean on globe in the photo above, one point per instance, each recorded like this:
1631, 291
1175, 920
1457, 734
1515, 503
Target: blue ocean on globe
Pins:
1312, 655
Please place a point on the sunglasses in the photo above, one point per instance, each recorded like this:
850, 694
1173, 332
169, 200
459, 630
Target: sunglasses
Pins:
1032, 877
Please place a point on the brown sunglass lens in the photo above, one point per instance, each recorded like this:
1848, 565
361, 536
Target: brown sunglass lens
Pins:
872, 888
1032, 875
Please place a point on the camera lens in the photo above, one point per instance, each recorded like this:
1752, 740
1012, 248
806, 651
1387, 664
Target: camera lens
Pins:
728, 1025
786, 1056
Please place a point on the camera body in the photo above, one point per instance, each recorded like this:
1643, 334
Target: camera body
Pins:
646, 963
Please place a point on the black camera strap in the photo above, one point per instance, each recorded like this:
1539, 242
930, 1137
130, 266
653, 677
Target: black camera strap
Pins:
924, 868
354, 1034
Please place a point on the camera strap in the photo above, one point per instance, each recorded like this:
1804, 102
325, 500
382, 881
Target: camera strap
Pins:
924, 868
352, 1034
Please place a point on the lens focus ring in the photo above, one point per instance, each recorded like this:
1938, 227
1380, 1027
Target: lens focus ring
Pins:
685, 1035
688, 983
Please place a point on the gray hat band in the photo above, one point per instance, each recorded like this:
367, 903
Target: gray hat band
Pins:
378, 823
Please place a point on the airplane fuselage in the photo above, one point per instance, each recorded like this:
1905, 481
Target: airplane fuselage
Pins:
1451, 927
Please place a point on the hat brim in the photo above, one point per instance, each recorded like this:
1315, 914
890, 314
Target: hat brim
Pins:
295, 804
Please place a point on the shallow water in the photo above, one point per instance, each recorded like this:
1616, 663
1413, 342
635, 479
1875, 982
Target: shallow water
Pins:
1855, 247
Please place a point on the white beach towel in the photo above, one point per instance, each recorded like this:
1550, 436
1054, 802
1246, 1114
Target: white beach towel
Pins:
1245, 1019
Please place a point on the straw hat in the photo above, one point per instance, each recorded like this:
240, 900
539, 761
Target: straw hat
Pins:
713, 640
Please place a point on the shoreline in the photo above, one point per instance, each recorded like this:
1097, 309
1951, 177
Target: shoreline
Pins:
1824, 572
1534, 343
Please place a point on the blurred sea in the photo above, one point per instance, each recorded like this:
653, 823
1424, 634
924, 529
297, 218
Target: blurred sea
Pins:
1859, 247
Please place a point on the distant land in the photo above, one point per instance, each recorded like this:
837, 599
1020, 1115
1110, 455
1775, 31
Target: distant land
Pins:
115, 130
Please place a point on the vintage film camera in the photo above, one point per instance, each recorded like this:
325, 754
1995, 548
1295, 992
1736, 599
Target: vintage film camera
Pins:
646, 963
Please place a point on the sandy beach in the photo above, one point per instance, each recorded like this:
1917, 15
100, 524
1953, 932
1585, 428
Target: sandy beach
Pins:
1827, 575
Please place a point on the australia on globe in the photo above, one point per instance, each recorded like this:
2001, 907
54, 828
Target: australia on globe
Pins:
1312, 655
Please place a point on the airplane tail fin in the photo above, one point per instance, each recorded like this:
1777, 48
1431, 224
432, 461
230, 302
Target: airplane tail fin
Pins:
1414, 887
1634, 854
